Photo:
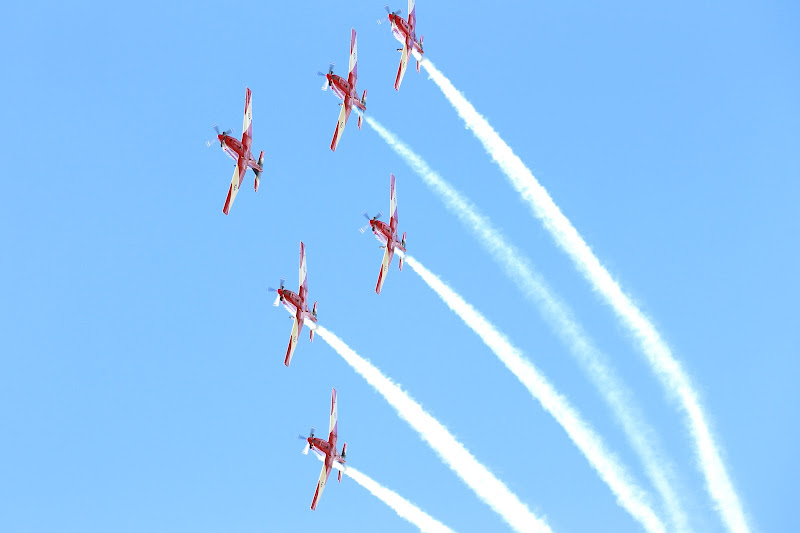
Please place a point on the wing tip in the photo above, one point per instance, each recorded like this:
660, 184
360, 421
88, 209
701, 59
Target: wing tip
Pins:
335, 140
289, 353
227, 207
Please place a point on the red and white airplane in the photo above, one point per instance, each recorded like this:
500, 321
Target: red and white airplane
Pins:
346, 90
387, 236
326, 448
239, 151
404, 31
297, 306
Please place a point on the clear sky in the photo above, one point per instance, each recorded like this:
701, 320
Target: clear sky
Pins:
142, 385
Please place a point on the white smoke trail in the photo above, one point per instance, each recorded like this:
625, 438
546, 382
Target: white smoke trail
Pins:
558, 316
486, 486
629, 496
404, 508
666, 367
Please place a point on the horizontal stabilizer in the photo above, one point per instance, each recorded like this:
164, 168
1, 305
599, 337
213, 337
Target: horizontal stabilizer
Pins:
258, 172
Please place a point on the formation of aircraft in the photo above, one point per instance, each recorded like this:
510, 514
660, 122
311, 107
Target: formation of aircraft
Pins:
405, 32
239, 151
386, 233
345, 89
326, 449
387, 236
297, 306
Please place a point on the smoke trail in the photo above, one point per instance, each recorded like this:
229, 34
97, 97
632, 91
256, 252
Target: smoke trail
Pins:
404, 508
486, 486
629, 496
557, 315
667, 368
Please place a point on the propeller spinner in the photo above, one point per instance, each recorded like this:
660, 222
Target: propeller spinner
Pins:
389, 12
310, 436
327, 80
277, 301
216, 129
365, 215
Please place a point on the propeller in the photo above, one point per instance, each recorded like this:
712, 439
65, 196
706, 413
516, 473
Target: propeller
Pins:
306, 447
216, 129
327, 82
277, 301
365, 215
310, 436
389, 12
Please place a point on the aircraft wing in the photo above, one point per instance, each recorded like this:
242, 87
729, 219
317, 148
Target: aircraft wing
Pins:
401, 70
323, 478
303, 273
247, 125
296, 327
236, 182
387, 258
334, 426
344, 114
352, 77
412, 15
393, 205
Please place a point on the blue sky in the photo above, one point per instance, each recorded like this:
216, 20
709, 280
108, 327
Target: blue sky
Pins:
142, 384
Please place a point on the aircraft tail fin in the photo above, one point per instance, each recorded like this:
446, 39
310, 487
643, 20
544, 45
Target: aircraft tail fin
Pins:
361, 114
403, 244
419, 57
258, 172
310, 330
344, 457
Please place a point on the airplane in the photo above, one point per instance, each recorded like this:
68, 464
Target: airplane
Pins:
326, 448
404, 31
346, 90
296, 304
387, 236
239, 151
